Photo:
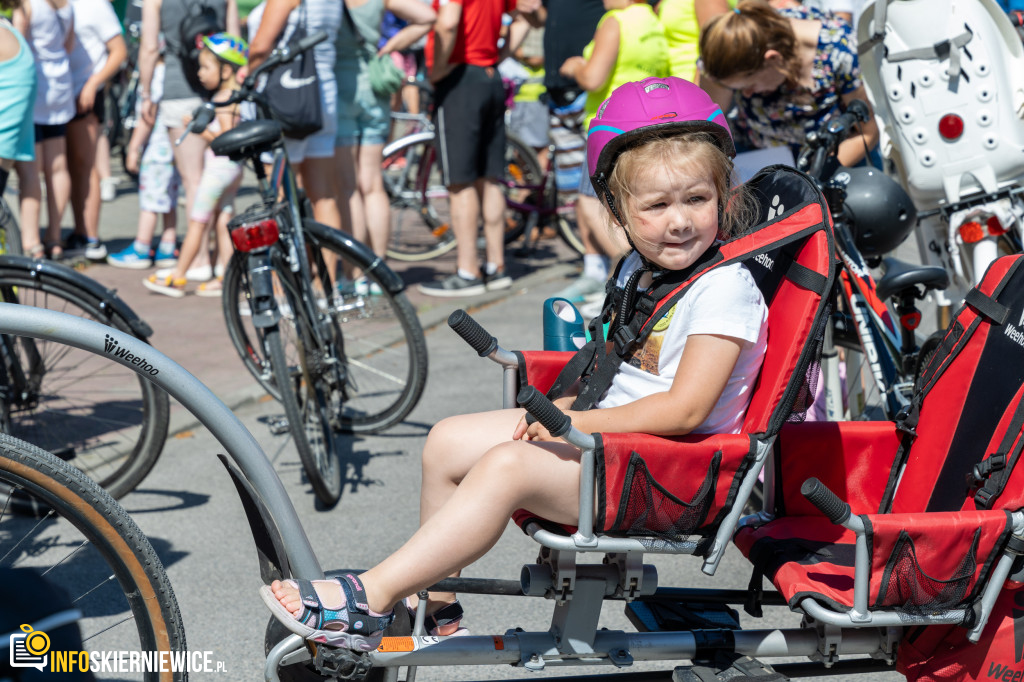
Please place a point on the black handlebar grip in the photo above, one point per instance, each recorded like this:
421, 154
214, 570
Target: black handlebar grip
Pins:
472, 333
827, 502
537, 404
201, 118
858, 108
309, 41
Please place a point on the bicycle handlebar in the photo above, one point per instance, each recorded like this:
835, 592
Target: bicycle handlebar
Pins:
820, 145
205, 112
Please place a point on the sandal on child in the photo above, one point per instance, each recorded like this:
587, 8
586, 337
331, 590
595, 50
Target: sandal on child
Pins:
168, 286
349, 625
211, 288
447, 615
37, 251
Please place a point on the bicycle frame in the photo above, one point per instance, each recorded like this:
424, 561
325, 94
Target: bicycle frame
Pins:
284, 549
873, 326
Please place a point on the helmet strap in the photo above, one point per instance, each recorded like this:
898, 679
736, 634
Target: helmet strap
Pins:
609, 200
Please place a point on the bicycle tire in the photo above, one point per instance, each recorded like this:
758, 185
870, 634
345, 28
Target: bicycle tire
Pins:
84, 407
305, 402
522, 170
569, 231
384, 346
420, 224
10, 232
109, 546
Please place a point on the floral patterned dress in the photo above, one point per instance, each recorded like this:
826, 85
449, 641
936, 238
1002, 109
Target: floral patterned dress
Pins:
788, 114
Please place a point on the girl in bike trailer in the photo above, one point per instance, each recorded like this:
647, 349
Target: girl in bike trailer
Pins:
791, 72
221, 57
659, 155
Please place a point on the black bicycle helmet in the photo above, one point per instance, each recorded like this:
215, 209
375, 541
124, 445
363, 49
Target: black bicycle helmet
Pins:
881, 213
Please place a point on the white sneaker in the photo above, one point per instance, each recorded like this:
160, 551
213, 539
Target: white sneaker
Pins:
108, 189
196, 274
95, 251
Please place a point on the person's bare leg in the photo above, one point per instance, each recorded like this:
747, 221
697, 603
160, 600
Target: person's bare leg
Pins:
318, 179
597, 238
82, 139
454, 445
58, 184
197, 238
493, 209
188, 157
30, 195
376, 206
464, 201
543, 478
349, 201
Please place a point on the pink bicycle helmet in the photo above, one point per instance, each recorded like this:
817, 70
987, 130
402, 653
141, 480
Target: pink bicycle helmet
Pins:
659, 107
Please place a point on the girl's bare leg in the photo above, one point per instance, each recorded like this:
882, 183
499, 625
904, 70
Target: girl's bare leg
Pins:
376, 207
53, 153
188, 157
30, 195
541, 477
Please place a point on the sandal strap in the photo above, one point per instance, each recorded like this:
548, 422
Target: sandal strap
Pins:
450, 614
354, 616
360, 620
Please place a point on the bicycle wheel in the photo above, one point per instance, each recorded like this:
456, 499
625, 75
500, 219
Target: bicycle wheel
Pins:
98, 415
308, 397
10, 233
384, 351
89, 545
523, 180
420, 223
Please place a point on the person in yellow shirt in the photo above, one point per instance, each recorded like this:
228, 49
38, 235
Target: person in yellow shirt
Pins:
682, 20
629, 45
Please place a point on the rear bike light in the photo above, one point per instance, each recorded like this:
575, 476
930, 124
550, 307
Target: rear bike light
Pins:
911, 321
972, 232
255, 236
995, 228
951, 127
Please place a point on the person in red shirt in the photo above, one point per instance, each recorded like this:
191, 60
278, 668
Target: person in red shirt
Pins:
462, 56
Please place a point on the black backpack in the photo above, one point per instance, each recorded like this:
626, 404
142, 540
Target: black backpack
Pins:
200, 20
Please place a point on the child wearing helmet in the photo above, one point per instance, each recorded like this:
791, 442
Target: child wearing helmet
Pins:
659, 155
219, 60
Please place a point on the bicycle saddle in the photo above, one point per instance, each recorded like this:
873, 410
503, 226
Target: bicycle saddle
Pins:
247, 139
900, 276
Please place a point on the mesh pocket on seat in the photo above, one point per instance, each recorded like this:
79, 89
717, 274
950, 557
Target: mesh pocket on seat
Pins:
648, 507
908, 588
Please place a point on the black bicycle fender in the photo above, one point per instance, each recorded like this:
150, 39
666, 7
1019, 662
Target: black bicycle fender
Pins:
265, 533
360, 253
108, 298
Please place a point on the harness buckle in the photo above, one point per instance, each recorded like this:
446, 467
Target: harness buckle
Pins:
625, 341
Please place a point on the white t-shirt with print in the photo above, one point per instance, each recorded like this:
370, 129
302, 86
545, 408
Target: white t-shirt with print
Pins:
724, 301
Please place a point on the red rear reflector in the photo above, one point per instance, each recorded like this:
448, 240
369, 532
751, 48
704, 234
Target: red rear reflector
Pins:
258, 235
995, 228
972, 232
951, 127
910, 320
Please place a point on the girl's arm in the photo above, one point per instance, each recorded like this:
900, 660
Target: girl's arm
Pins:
593, 73
704, 369
149, 54
707, 9
420, 18
856, 147
69, 39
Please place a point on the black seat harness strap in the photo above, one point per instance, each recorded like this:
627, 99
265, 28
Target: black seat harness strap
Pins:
595, 364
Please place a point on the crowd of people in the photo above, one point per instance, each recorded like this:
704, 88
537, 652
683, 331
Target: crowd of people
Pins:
780, 67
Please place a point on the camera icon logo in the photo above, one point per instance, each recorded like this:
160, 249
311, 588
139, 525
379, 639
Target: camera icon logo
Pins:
29, 648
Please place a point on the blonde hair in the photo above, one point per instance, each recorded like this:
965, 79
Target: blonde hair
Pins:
736, 209
735, 43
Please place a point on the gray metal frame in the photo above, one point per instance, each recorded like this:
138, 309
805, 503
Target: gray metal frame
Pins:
574, 637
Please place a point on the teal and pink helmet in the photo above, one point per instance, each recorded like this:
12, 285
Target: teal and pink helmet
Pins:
654, 107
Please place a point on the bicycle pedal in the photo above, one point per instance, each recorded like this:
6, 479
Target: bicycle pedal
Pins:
342, 663
278, 425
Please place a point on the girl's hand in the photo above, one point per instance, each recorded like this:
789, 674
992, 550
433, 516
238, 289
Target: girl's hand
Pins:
132, 159
86, 99
185, 120
536, 430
